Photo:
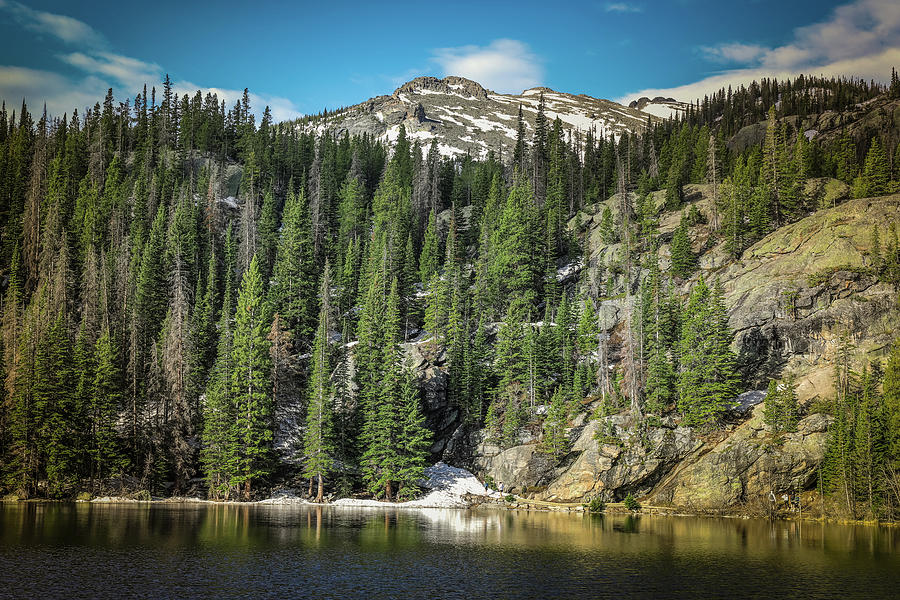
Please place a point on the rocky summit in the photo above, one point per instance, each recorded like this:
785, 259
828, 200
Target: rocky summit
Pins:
463, 117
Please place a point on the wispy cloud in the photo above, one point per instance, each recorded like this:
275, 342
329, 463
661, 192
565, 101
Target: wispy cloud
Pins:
733, 52
860, 39
622, 7
60, 94
503, 65
66, 29
130, 73
101, 68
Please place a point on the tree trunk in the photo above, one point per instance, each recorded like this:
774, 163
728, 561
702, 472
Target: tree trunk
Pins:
320, 495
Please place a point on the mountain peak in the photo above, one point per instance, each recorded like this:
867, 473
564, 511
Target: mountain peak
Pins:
463, 117
448, 85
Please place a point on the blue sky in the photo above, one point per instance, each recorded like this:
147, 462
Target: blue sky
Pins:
302, 57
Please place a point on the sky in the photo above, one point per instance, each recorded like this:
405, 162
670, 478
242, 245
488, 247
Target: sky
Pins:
301, 57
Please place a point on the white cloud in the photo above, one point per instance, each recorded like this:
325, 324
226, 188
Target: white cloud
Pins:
102, 69
38, 87
622, 7
67, 29
503, 65
282, 109
859, 39
733, 52
129, 73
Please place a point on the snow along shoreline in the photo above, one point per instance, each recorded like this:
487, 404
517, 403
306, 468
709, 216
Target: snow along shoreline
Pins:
447, 488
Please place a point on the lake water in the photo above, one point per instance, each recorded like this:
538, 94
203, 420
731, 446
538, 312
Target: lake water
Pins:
209, 551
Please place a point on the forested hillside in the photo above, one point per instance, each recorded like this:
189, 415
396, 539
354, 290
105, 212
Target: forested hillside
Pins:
194, 301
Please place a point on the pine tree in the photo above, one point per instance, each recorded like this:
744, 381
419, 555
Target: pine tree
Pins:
176, 352
414, 439
607, 228
675, 184
250, 383
659, 384
268, 234
512, 367
891, 388
876, 174
318, 448
781, 409
707, 379
106, 400
514, 267
519, 151
684, 262
218, 455
380, 434
554, 441
428, 259
437, 307
293, 286
59, 427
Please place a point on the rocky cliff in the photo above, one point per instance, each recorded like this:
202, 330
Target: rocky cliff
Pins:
790, 297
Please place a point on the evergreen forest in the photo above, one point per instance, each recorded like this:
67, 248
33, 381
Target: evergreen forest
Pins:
198, 300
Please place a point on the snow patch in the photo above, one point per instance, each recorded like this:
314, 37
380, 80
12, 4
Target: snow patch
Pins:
285, 497
230, 201
566, 272
665, 111
448, 485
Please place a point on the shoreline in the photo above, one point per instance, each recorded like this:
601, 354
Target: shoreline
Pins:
519, 505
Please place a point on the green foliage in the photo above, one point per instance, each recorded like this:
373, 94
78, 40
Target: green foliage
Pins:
142, 312
514, 267
105, 403
318, 448
251, 386
293, 285
781, 411
632, 504
607, 228
860, 463
876, 175
429, 258
707, 377
595, 505
554, 441
684, 261
414, 439
394, 436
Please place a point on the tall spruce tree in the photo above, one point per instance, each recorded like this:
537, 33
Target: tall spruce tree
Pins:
251, 388
318, 448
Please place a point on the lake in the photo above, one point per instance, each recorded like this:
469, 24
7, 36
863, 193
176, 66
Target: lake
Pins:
226, 551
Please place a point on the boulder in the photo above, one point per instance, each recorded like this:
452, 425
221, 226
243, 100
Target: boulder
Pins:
747, 465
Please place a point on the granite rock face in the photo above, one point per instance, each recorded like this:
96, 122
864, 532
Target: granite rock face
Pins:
666, 464
790, 297
747, 465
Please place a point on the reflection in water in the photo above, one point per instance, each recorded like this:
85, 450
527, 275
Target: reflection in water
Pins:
239, 550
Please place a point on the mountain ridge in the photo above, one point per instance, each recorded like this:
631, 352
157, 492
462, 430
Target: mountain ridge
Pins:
464, 117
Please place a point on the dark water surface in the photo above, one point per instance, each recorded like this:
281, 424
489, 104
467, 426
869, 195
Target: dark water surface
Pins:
208, 551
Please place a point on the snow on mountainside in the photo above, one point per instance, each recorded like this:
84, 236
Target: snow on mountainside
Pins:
664, 108
462, 116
